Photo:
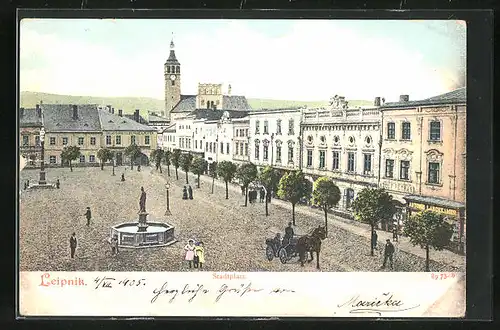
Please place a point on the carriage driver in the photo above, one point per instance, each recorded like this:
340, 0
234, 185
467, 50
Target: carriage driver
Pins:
288, 234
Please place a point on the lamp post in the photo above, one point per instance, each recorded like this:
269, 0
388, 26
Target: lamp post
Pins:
113, 163
272, 149
42, 180
167, 212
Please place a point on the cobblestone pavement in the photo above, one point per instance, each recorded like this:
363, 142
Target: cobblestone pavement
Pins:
234, 235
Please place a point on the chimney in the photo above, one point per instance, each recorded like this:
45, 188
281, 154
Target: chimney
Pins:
75, 111
404, 98
113, 110
38, 111
136, 115
120, 112
21, 112
377, 102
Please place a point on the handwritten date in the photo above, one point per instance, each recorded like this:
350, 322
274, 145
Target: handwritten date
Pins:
442, 276
108, 282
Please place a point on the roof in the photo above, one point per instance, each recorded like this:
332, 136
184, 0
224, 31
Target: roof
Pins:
172, 58
210, 114
436, 201
30, 119
112, 122
142, 120
154, 117
59, 117
233, 102
457, 96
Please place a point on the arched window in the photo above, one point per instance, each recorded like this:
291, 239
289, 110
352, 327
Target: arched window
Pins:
178, 69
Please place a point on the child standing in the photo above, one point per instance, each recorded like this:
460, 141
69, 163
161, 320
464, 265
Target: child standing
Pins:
200, 253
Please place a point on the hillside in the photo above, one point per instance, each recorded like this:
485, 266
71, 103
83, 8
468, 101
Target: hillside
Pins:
129, 104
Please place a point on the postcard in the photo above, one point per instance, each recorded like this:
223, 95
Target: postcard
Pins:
242, 167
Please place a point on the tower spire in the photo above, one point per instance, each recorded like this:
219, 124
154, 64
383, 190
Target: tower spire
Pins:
172, 42
171, 57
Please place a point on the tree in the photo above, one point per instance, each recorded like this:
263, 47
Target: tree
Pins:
292, 187
226, 170
428, 229
373, 205
185, 162
167, 155
132, 151
212, 168
269, 178
104, 155
156, 156
326, 195
70, 153
198, 167
246, 173
175, 159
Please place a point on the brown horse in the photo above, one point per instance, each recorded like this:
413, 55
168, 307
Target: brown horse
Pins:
311, 243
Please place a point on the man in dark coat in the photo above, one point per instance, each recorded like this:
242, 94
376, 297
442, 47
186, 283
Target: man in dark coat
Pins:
72, 244
388, 252
190, 192
58, 184
184, 193
123, 176
374, 239
262, 195
288, 234
88, 215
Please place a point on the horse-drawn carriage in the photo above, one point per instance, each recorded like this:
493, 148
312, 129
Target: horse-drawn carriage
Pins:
285, 251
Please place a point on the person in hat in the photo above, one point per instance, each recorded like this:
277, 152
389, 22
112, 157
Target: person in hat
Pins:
388, 253
58, 184
288, 234
72, 244
199, 251
190, 192
184, 193
123, 177
374, 239
189, 248
88, 215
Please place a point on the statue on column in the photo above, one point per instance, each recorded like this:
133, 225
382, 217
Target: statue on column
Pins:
142, 201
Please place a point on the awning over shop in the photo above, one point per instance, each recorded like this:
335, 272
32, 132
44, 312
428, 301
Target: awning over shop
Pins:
437, 204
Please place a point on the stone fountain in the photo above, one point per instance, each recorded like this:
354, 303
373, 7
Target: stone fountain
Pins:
141, 233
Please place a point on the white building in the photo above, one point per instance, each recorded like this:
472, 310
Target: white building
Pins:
241, 140
344, 144
168, 138
274, 138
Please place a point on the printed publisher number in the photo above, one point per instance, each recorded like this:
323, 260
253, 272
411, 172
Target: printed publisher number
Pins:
442, 276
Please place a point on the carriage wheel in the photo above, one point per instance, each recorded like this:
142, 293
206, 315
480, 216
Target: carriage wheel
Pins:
269, 253
283, 255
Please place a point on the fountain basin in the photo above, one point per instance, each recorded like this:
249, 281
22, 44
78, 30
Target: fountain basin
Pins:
41, 186
138, 235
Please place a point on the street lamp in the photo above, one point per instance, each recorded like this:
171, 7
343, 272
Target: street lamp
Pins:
42, 180
167, 212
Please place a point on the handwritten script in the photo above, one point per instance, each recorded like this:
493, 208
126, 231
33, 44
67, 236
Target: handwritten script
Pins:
386, 303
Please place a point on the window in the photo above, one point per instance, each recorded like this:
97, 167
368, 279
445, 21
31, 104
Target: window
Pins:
257, 127
196, 144
350, 161
37, 140
266, 152
52, 159
391, 131
435, 131
246, 132
404, 170
309, 158
278, 126
335, 160
210, 147
206, 146
118, 139
80, 141
108, 139
26, 140
222, 147
241, 149
290, 153
246, 149
433, 175
65, 141
92, 158
236, 148
82, 159
406, 131
321, 159
132, 139
389, 168
278, 154
266, 127
367, 167
237, 131
290, 127
52, 141
146, 140
227, 148
257, 151
92, 141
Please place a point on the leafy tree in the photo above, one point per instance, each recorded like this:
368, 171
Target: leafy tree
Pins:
156, 156
175, 159
185, 162
69, 154
428, 229
292, 187
246, 173
326, 195
373, 205
212, 169
269, 178
198, 167
104, 155
167, 155
226, 170
133, 152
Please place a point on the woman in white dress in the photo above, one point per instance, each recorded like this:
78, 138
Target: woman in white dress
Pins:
189, 248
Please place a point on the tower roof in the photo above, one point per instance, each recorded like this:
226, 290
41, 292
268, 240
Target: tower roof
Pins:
171, 57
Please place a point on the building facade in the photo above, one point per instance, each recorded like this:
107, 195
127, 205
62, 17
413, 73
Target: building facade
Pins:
168, 139
241, 140
30, 124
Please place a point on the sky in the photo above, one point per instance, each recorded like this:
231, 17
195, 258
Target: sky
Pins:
303, 60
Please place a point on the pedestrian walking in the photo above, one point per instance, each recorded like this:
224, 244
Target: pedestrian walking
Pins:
184, 193
189, 248
114, 245
190, 192
242, 191
72, 244
88, 215
58, 184
374, 239
123, 177
388, 253
199, 251
262, 195
25, 186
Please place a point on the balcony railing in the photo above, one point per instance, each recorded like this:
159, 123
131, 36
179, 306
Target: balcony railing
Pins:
26, 147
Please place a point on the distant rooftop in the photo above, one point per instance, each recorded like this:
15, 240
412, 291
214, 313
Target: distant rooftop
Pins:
113, 122
60, 117
457, 96
233, 102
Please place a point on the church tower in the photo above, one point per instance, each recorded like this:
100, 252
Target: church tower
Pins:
172, 71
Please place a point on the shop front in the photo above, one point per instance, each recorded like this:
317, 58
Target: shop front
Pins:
454, 213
